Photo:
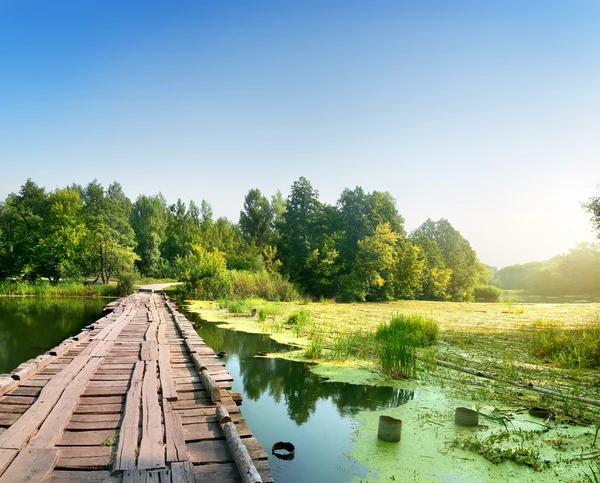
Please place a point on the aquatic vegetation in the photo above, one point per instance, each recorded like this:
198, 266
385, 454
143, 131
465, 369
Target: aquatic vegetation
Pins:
578, 348
398, 340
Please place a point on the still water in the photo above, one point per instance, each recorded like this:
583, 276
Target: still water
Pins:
30, 326
283, 401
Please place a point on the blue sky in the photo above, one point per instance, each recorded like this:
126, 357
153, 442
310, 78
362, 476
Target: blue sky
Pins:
486, 113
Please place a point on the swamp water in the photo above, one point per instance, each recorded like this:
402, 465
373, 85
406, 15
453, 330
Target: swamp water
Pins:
284, 401
30, 326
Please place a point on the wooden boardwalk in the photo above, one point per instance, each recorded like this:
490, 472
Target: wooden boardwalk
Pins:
136, 397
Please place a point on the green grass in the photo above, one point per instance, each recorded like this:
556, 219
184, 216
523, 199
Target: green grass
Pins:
268, 310
62, 289
236, 306
577, 348
398, 340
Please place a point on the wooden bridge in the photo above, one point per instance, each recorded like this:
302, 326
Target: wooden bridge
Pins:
136, 397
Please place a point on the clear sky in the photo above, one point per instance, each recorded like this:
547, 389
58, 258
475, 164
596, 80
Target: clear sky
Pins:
484, 112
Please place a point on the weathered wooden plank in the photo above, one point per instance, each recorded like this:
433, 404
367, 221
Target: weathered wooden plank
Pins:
166, 378
151, 446
17, 400
31, 464
79, 476
57, 420
6, 458
174, 436
227, 472
217, 451
98, 409
183, 473
125, 456
20, 432
149, 350
87, 438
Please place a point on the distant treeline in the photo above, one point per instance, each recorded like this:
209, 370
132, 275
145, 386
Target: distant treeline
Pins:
576, 273
356, 249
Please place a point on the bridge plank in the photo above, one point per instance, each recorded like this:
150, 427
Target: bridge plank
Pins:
125, 457
30, 465
151, 447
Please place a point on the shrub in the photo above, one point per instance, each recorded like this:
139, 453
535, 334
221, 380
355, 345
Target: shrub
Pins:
262, 284
204, 274
125, 284
488, 293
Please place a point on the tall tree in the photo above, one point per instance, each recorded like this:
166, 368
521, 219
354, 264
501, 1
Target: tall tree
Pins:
21, 228
257, 219
59, 250
458, 255
110, 239
149, 222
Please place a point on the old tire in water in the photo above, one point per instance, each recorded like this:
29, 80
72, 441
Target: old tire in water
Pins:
284, 450
466, 417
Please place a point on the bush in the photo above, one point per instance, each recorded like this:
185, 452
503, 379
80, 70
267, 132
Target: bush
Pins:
488, 293
125, 284
397, 341
204, 274
262, 284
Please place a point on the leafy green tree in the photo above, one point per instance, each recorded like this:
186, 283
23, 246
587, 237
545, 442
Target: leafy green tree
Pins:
458, 255
308, 239
408, 271
257, 219
21, 229
59, 249
110, 240
183, 231
149, 222
435, 275
372, 275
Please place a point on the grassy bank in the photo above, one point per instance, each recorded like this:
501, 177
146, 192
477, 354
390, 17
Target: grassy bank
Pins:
62, 289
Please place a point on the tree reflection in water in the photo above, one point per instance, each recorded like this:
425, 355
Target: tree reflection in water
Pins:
30, 326
292, 381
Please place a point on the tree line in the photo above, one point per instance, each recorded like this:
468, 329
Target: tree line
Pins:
355, 250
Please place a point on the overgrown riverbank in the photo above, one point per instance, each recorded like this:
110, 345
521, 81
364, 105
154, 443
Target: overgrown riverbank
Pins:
497, 338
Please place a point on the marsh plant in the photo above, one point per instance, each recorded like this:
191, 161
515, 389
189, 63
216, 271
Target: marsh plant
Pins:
236, 306
396, 343
314, 349
298, 321
578, 348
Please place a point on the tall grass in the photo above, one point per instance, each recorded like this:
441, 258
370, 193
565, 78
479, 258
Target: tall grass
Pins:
578, 348
236, 306
397, 341
298, 320
268, 310
62, 289
263, 284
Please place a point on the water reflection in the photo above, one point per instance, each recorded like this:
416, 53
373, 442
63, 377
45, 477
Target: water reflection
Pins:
30, 326
284, 401
293, 382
